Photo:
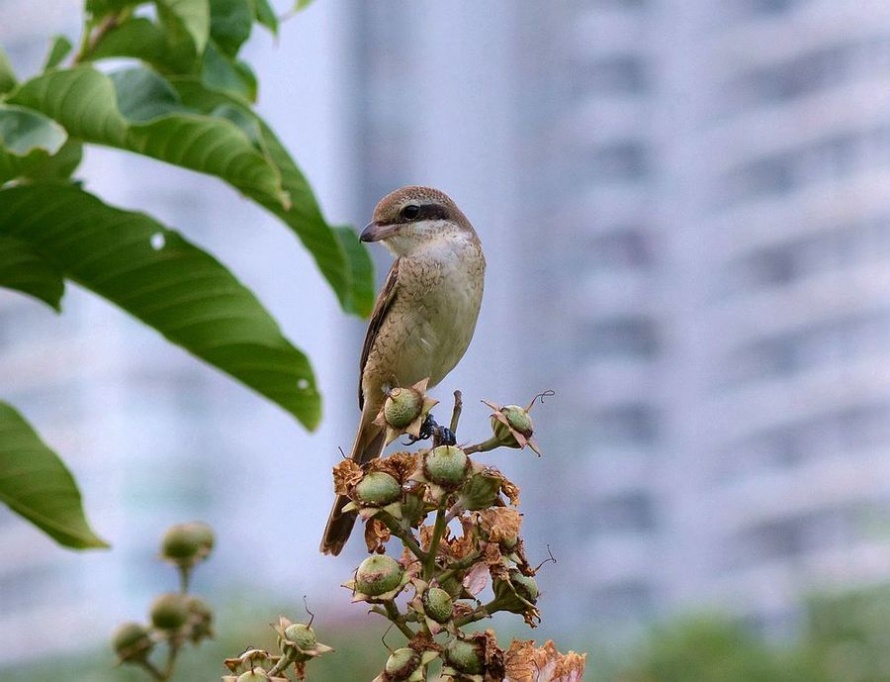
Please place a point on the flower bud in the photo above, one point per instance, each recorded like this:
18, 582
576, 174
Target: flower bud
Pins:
401, 664
377, 489
464, 656
132, 642
446, 466
169, 611
378, 575
437, 604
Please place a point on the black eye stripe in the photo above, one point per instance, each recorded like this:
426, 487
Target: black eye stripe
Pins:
425, 212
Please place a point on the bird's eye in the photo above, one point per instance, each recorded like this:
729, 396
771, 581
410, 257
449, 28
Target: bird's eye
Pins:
410, 212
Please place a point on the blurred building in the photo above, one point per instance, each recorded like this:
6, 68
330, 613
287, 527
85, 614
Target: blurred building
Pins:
688, 236
711, 180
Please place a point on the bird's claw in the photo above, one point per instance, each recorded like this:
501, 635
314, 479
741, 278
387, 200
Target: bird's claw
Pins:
441, 435
444, 436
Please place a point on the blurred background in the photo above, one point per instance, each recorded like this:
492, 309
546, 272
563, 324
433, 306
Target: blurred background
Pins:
686, 212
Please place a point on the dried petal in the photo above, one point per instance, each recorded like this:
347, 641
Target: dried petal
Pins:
346, 475
525, 663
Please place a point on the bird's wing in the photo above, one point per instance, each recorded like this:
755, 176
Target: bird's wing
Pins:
381, 308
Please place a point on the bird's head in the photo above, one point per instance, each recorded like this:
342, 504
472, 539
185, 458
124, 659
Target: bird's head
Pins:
412, 217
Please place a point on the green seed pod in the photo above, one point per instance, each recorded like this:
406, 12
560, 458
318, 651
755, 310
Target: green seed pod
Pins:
516, 593
186, 543
437, 604
378, 575
526, 586
255, 675
132, 642
464, 656
377, 489
200, 619
301, 635
480, 491
169, 611
446, 466
402, 406
401, 664
519, 419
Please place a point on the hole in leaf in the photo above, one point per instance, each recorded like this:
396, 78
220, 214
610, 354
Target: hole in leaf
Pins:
303, 384
158, 241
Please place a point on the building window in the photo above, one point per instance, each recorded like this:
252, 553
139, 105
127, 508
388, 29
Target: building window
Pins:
632, 512
627, 425
626, 161
629, 600
624, 247
769, 7
631, 337
620, 74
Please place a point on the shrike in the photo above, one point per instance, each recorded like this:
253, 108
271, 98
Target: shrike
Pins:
423, 319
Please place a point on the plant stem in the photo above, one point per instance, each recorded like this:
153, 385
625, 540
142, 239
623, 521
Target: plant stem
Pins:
403, 535
150, 668
458, 407
429, 564
396, 618
480, 612
484, 446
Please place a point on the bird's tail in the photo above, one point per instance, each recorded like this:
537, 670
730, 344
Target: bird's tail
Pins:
369, 443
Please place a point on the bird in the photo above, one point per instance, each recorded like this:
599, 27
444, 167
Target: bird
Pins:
423, 319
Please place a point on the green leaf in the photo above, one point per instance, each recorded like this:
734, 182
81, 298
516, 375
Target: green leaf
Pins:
300, 5
100, 8
7, 76
191, 17
156, 275
23, 269
265, 15
363, 291
27, 139
59, 49
59, 166
348, 270
84, 101
139, 38
219, 72
22, 131
37, 485
230, 24
141, 95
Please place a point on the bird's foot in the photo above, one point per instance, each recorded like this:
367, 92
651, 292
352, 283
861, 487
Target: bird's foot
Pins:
441, 435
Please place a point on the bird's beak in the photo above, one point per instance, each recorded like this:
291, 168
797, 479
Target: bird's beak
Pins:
376, 232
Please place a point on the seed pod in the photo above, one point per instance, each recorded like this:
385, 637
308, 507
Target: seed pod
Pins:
377, 489
132, 642
464, 656
437, 604
378, 575
401, 664
446, 466
169, 611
